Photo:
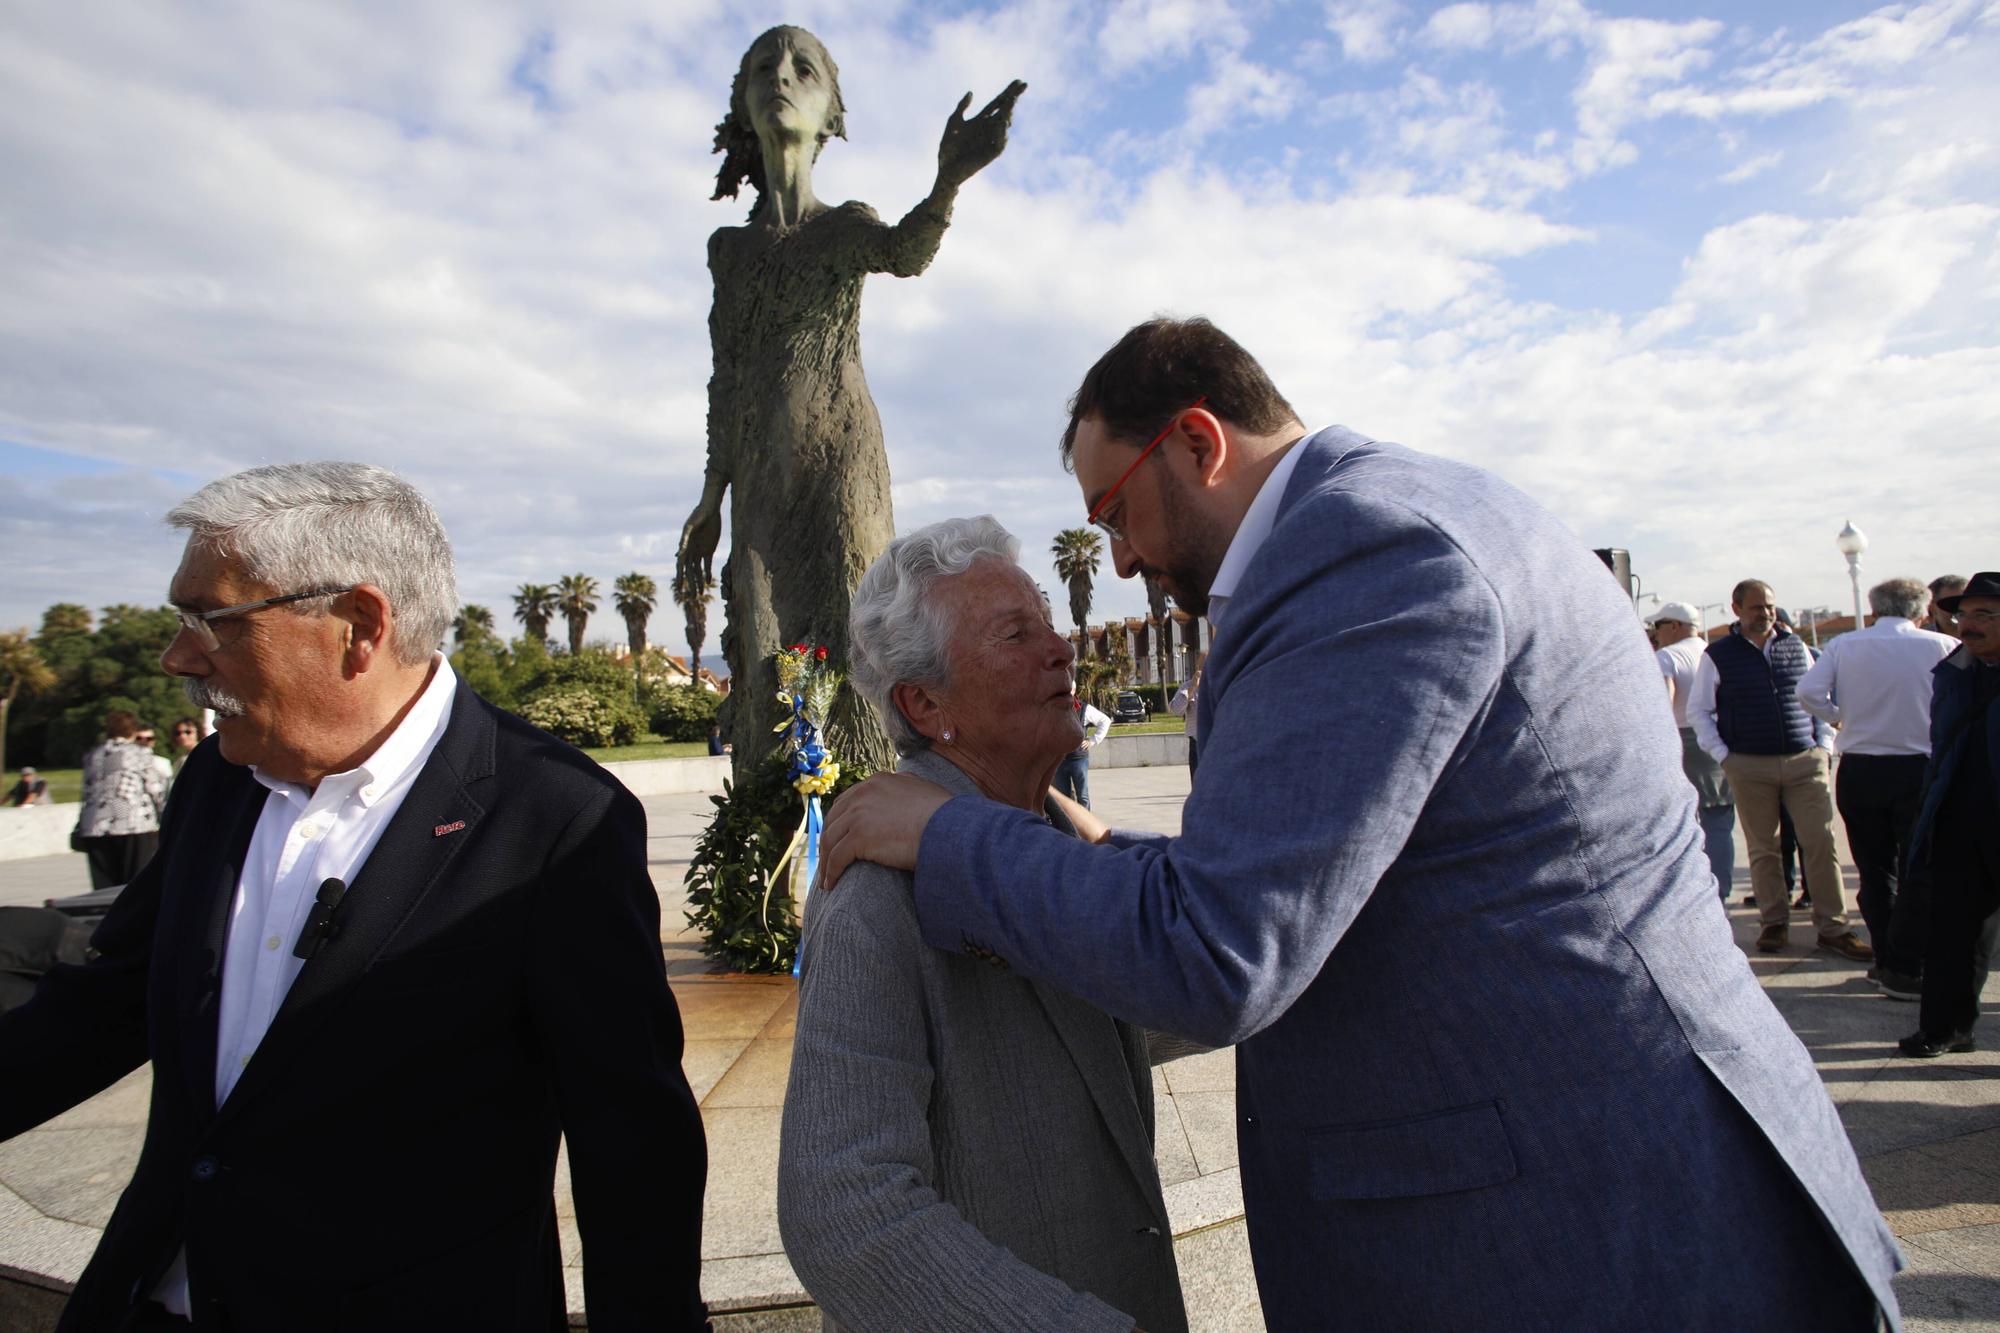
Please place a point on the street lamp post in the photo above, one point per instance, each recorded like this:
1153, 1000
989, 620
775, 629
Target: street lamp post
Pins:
1852, 543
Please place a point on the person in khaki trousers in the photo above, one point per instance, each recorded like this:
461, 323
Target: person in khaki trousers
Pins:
1745, 711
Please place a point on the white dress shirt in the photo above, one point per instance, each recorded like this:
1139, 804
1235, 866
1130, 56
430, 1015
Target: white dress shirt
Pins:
1875, 685
1252, 532
1701, 709
303, 838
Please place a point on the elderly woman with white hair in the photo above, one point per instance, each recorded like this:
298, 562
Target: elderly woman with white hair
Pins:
964, 1148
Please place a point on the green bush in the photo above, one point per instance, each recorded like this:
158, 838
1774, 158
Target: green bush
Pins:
584, 718
598, 672
683, 712
731, 869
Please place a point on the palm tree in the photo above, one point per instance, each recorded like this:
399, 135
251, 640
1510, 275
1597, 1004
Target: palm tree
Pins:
576, 598
472, 621
534, 604
21, 670
635, 595
1077, 552
692, 589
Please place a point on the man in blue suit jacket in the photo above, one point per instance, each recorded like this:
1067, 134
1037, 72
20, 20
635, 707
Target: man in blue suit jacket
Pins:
1499, 1061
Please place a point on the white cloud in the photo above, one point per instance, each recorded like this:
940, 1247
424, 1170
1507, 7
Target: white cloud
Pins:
1367, 29
1750, 168
1142, 32
1237, 92
244, 234
1461, 26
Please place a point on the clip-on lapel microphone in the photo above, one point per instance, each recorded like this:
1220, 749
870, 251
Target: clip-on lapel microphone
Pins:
320, 927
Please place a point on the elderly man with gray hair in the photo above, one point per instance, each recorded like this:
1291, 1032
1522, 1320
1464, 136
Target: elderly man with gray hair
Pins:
964, 1147
1875, 685
395, 945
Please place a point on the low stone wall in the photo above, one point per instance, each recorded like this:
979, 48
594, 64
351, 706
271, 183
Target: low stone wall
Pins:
670, 777
35, 830
1145, 751
43, 830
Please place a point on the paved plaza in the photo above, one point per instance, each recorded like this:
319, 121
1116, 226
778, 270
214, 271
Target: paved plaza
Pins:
1928, 1132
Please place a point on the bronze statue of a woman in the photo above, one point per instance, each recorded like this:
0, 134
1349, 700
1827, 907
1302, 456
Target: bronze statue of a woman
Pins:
791, 426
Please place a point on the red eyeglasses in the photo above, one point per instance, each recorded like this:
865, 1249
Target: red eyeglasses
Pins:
1096, 519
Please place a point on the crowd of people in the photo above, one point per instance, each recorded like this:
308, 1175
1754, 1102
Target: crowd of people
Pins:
1762, 716
1498, 1057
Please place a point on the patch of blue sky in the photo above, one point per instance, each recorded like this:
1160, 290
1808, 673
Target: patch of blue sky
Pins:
27, 463
530, 73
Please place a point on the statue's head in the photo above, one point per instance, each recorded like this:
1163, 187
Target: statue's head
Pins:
736, 135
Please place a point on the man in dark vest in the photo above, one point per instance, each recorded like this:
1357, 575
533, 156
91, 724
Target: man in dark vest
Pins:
1745, 710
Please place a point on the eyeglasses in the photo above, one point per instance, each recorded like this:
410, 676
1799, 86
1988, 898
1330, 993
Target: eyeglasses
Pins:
1977, 617
196, 622
144, 738
1097, 520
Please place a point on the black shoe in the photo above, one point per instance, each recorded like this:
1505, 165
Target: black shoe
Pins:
1921, 1046
1803, 903
1898, 985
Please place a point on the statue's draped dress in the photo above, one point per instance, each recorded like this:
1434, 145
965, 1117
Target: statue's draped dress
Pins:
794, 432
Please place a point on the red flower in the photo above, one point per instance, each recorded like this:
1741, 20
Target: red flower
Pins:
820, 652
797, 648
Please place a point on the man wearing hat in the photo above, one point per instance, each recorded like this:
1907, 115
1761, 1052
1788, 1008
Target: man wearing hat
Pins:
32, 789
1954, 828
1676, 629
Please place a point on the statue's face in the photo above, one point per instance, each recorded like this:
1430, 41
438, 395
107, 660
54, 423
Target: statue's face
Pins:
789, 93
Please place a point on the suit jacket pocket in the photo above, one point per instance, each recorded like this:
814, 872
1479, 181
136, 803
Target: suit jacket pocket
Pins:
1439, 1152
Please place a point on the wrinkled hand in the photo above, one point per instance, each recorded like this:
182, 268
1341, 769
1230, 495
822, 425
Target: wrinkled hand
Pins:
880, 820
969, 145
695, 562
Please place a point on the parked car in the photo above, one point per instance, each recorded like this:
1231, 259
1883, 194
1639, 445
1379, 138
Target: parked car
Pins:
1130, 708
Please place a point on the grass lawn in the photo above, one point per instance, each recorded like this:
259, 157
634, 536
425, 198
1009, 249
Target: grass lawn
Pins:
651, 748
1165, 724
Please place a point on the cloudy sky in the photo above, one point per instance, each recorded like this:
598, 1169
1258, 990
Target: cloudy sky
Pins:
1707, 280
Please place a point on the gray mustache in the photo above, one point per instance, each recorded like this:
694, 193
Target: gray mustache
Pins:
204, 695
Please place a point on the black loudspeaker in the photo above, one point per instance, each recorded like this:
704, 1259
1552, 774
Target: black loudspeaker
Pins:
1619, 562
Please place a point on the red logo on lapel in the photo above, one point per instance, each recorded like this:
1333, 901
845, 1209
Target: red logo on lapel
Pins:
443, 829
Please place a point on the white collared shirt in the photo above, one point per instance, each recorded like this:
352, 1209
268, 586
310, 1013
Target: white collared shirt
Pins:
1252, 532
1875, 685
304, 838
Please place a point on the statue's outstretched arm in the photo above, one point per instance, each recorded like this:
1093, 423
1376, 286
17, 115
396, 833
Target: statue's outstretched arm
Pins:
967, 146
695, 561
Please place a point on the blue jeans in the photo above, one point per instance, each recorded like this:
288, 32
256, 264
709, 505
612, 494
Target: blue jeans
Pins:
1073, 777
1718, 831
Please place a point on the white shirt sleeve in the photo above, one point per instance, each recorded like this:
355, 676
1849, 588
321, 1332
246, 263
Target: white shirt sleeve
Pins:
1097, 723
1701, 710
1178, 705
1816, 690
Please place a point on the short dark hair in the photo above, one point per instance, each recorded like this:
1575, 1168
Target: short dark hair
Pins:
1947, 585
180, 722
1159, 368
120, 723
1736, 594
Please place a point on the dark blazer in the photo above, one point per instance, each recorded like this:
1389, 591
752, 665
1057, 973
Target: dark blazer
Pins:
1500, 1062
387, 1160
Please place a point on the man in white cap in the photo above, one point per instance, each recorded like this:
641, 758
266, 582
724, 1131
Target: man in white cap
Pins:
1676, 629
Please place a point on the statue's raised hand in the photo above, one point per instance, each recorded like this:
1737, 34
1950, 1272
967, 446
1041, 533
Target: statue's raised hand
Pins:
969, 145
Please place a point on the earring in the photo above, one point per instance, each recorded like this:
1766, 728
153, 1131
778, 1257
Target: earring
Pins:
947, 735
